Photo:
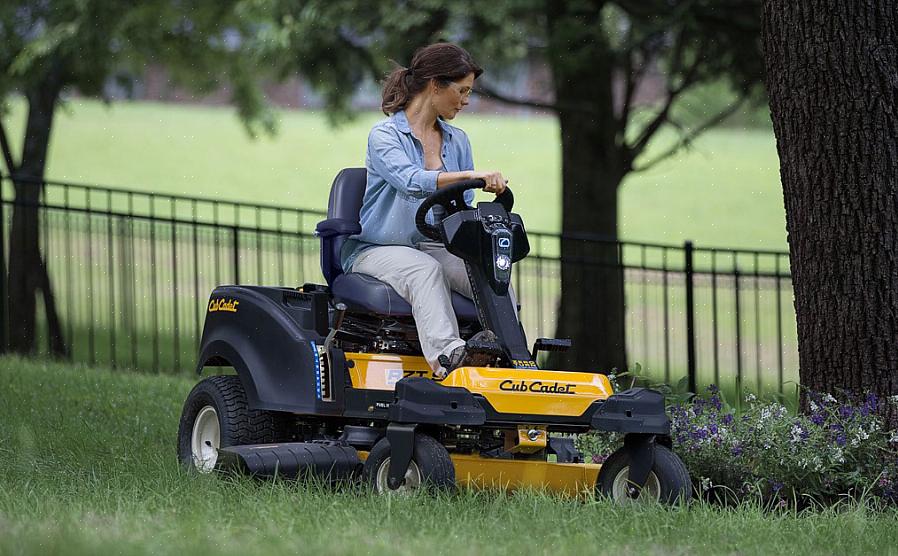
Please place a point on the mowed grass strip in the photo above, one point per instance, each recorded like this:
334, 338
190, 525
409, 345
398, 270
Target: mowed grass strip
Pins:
725, 191
87, 466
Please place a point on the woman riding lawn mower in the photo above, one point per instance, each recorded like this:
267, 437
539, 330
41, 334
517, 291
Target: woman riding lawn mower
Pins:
412, 358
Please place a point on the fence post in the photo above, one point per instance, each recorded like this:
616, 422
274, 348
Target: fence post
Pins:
690, 316
235, 247
3, 275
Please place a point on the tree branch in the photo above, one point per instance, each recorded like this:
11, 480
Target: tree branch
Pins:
7, 153
489, 92
686, 140
631, 85
672, 94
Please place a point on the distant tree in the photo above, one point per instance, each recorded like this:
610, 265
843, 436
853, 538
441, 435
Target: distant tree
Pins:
47, 46
833, 87
600, 54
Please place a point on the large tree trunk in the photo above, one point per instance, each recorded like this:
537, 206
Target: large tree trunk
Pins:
591, 311
831, 71
27, 270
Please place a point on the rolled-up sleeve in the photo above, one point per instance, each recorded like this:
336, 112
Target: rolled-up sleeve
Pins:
388, 159
467, 162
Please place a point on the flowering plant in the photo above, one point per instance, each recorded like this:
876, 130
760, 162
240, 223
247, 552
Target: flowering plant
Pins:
839, 448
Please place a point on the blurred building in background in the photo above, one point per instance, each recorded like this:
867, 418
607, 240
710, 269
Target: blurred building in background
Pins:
529, 80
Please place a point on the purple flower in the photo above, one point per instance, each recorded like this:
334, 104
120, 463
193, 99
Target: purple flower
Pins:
713, 429
817, 419
728, 418
599, 459
846, 411
737, 450
776, 486
871, 402
840, 440
713, 388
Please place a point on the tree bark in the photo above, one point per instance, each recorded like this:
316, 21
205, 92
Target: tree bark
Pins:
591, 310
831, 71
27, 270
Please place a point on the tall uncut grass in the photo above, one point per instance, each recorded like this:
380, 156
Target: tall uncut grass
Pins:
87, 466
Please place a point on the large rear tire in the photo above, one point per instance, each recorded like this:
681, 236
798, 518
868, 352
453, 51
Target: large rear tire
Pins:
216, 415
431, 467
668, 482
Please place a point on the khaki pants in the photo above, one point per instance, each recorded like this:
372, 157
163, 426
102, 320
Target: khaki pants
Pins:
425, 278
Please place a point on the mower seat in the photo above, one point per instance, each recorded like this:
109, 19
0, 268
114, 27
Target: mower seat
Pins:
360, 292
366, 293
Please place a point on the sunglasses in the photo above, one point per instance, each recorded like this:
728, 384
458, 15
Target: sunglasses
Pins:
464, 91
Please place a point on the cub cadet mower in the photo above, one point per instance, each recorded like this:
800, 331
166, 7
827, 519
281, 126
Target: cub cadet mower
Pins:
330, 379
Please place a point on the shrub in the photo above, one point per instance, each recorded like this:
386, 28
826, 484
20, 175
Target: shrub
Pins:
838, 449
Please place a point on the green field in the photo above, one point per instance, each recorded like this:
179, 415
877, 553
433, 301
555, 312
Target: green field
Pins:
87, 466
723, 192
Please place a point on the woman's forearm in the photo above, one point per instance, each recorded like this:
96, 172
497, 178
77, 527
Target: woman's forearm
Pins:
448, 178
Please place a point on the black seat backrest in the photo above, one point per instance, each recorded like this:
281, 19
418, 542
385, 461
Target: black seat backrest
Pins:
343, 208
346, 194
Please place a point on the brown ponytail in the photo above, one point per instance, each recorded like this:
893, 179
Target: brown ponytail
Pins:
442, 61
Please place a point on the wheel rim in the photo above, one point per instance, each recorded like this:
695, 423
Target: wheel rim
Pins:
651, 492
411, 482
206, 439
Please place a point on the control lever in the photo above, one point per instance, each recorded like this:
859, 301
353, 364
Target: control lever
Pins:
550, 344
329, 341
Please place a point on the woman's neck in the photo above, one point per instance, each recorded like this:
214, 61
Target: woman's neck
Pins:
421, 115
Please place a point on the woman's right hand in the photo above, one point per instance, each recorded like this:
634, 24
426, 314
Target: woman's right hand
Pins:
495, 182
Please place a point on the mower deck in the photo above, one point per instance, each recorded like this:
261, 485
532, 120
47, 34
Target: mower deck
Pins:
570, 479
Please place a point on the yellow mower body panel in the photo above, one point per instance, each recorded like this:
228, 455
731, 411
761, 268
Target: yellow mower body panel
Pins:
381, 371
571, 479
521, 391
532, 391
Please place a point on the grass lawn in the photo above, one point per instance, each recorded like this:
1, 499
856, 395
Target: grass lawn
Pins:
87, 466
724, 192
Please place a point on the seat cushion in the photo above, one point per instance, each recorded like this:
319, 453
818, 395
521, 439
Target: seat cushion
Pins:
361, 292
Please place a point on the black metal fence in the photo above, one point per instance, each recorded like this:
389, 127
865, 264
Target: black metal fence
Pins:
131, 272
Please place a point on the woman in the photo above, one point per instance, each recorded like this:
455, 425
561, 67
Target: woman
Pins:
410, 155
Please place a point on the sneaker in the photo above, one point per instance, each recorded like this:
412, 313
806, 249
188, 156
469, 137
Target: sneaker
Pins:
460, 357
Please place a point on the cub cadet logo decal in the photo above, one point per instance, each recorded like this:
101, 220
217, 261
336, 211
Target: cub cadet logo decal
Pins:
536, 386
229, 305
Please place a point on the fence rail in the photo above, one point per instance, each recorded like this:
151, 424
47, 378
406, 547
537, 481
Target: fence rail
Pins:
131, 272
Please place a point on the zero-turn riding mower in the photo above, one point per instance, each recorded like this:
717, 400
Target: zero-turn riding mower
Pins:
330, 380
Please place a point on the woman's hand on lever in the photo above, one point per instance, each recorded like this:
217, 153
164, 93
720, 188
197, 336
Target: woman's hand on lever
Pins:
495, 182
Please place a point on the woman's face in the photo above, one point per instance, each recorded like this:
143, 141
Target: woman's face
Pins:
448, 101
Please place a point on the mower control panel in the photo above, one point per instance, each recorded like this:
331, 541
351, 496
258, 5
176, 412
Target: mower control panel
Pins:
502, 240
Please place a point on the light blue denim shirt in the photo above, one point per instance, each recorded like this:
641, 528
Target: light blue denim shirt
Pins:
398, 183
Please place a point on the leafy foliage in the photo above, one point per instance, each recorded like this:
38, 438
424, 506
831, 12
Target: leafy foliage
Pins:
838, 449
89, 41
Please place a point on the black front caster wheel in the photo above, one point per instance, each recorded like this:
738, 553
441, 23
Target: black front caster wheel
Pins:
430, 467
668, 482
